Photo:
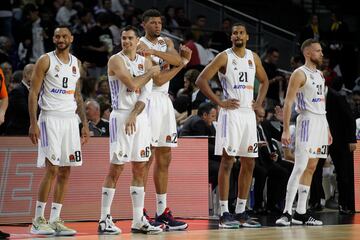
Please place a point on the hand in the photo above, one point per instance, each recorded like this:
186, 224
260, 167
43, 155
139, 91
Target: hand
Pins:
257, 107
279, 113
185, 54
230, 104
330, 139
274, 156
2, 116
85, 134
34, 133
156, 70
145, 51
130, 125
352, 147
285, 138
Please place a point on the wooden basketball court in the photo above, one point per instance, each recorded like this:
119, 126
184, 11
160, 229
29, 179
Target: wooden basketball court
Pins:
337, 227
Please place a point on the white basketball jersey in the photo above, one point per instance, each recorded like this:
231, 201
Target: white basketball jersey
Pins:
238, 80
159, 46
123, 98
311, 96
58, 88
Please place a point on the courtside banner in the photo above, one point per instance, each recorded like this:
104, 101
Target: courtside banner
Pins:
20, 179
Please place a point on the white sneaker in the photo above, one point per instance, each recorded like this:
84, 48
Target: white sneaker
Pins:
60, 229
41, 227
144, 227
108, 227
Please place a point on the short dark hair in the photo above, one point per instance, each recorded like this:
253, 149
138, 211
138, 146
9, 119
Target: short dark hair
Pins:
64, 26
134, 29
307, 43
150, 13
239, 24
205, 107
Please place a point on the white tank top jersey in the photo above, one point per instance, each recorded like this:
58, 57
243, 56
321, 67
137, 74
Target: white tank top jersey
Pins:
311, 96
159, 46
238, 80
123, 98
58, 88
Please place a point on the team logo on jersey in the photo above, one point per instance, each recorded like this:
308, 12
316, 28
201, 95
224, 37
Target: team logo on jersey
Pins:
250, 149
53, 157
140, 67
161, 42
74, 70
72, 158
120, 154
57, 68
250, 63
318, 151
168, 139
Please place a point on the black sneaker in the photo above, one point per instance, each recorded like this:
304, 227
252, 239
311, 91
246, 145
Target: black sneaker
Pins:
152, 222
246, 221
170, 222
305, 219
4, 235
284, 220
227, 220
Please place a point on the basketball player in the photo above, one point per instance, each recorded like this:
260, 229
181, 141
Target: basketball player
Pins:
236, 133
307, 88
55, 77
162, 116
129, 76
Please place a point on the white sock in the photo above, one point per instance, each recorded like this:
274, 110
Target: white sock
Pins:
224, 207
39, 209
55, 212
290, 196
107, 197
303, 193
160, 203
240, 205
137, 198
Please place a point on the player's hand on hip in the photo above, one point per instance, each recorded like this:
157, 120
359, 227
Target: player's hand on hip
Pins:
285, 138
130, 125
352, 147
230, 104
34, 133
85, 134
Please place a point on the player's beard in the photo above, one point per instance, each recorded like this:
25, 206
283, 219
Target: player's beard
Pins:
239, 44
317, 61
66, 46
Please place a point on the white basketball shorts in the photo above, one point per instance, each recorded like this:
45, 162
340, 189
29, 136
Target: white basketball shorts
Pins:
59, 139
162, 121
125, 148
311, 135
236, 133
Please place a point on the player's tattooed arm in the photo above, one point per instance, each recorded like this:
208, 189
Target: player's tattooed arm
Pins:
85, 133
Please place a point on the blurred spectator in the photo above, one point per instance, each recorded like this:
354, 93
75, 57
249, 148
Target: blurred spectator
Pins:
17, 116
296, 61
171, 23
88, 89
343, 128
80, 29
6, 18
7, 71
202, 123
97, 126
4, 100
329, 74
198, 30
105, 110
106, 7
220, 40
5, 48
311, 30
181, 19
190, 77
103, 89
32, 44
66, 14
276, 80
97, 46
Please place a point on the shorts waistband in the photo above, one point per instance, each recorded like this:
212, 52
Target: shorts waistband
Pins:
307, 113
57, 114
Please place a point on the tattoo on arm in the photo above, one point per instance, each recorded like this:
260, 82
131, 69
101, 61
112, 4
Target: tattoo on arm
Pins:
80, 104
